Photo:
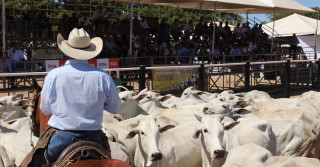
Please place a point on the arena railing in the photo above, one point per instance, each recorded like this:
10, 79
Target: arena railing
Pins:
291, 72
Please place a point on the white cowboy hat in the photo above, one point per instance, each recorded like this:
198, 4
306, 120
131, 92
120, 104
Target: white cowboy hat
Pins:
79, 46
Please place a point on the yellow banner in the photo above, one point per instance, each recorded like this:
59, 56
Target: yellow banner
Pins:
174, 79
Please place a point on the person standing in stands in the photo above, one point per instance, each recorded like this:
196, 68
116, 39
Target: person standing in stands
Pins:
16, 55
294, 41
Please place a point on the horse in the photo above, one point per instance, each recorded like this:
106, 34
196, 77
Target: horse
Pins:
40, 123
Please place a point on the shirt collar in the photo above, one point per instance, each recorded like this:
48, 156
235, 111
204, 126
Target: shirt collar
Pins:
74, 61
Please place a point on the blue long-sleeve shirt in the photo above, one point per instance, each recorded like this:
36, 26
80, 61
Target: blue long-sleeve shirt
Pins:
76, 95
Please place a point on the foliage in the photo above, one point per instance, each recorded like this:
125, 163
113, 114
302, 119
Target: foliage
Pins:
312, 15
113, 10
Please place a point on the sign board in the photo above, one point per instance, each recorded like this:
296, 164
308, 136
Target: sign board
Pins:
100, 63
174, 80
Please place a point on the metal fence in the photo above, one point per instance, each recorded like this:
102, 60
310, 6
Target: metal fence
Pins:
278, 77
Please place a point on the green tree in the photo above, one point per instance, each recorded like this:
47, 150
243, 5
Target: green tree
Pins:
280, 16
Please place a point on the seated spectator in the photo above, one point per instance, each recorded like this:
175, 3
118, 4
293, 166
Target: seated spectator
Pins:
144, 23
252, 47
188, 28
136, 49
122, 46
181, 53
16, 55
205, 53
110, 46
117, 81
84, 22
115, 29
98, 18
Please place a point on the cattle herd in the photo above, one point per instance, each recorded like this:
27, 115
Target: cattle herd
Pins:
197, 129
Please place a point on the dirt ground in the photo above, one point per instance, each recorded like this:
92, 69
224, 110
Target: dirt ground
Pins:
223, 82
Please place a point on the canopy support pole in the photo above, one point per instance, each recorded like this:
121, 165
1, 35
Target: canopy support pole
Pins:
315, 39
247, 16
214, 26
3, 35
131, 27
274, 20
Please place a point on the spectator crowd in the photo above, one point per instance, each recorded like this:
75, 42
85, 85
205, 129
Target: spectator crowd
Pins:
153, 37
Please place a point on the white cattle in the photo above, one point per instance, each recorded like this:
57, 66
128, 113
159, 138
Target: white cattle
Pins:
215, 141
147, 140
129, 105
296, 124
197, 95
287, 161
174, 147
13, 107
258, 131
256, 96
251, 155
17, 141
120, 152
4, 158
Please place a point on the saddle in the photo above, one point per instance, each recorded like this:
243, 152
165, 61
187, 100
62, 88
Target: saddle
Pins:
82, 150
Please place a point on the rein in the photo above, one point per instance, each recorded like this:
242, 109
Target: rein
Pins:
35, 129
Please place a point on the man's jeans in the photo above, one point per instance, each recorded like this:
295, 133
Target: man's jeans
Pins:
62, 139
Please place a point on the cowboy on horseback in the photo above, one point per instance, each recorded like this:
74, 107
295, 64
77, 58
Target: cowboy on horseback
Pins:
75, 96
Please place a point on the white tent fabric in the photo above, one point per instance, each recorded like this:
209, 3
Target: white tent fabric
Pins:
204, 4
307, 44
273, 6
295, 23
210, 4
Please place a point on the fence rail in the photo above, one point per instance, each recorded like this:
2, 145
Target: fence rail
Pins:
245, 76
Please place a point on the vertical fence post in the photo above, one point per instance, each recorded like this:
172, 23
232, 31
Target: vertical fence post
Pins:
201, 77
247, 76
287, 80
142, 77
318, 75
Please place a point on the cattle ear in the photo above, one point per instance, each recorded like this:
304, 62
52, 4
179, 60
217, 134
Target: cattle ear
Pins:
221, 117
132, 134
241, 111
140, 97
167, 128
198, 117
200, 93
164, 98
229, 126
21, 103
196, 135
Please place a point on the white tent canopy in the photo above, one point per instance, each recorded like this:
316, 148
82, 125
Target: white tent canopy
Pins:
204, 4
278, 6
295, 23
210, 4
